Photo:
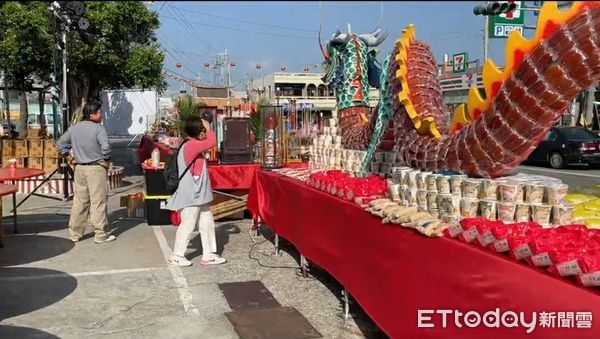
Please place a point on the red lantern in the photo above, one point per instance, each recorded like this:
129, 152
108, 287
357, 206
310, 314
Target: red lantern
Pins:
282, 68
306, 69
232, 64
178, 65
258, 66
206, 64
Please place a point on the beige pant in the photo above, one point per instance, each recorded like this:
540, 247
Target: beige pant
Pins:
191, 217
89, 201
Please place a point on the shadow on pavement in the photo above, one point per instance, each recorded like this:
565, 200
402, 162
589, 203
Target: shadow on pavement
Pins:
26, 290
25, 249
24, 333
222, 233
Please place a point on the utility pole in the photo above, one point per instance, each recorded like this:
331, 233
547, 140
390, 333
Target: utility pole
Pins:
486, 39
229, 113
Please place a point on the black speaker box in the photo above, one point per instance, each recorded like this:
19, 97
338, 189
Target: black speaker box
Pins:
236, 148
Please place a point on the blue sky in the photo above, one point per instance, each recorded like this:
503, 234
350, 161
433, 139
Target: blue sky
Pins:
285, 33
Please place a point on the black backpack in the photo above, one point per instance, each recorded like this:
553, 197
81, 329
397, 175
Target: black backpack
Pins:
172, 177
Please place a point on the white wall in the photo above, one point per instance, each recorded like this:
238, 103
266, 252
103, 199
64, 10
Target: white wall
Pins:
128, 112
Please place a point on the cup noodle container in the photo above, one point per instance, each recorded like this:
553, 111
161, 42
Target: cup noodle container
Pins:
523, 212
432, 182
443, 184
471, 188
432, 200
562, 214
445, 204
506, 211
356, 166
456, 184
394, 191
332, 122
508, 192
520, 189
534, 193
375, 167
390, 157
487, 209
557, 193
386, 168
410, 195
489, 189
412, 179
469, 207
422, 180
333, 130
338, 140
541, 214
379, 156
422, 198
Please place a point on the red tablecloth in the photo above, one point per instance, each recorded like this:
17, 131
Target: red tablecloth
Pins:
394, 272
230, 177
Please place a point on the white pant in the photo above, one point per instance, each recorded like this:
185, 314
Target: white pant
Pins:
190, 217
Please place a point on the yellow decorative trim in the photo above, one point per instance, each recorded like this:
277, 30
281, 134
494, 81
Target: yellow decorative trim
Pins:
459, 119
423, 126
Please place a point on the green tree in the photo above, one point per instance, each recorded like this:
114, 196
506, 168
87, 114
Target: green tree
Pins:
126, 54
25, 50
187, 107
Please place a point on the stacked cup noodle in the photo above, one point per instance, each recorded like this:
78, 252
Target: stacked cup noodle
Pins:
533, 198
326, 149
386, 163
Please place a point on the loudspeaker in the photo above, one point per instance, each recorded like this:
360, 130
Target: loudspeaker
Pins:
236, 148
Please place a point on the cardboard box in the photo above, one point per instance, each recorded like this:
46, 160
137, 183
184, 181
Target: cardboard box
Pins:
34, 133
21, 148
50, 164
134, 204
36, 162
20, 162
8, 148
50, 149
36, 148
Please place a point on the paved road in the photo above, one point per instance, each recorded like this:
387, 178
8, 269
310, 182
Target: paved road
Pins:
577, 177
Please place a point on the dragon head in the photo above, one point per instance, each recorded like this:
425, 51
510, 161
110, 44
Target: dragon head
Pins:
349, 63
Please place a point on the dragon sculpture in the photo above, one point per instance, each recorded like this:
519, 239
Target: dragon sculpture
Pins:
489, 135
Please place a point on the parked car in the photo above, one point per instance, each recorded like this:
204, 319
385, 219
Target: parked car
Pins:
568, 145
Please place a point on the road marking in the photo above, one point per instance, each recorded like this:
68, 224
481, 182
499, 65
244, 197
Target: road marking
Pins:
80, 274
559, 172
184, 292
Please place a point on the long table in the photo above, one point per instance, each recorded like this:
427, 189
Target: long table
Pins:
394, 272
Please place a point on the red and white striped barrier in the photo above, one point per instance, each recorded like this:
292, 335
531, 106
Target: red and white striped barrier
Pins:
54, 186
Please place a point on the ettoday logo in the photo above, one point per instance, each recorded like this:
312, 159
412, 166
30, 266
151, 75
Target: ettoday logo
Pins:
509, 319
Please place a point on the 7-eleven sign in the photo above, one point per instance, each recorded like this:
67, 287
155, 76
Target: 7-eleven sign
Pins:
459, 62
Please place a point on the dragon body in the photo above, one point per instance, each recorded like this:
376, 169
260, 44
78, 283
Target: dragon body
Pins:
489, 135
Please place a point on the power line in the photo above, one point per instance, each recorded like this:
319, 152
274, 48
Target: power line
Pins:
191, 29
187, 28
243, 30
248, 21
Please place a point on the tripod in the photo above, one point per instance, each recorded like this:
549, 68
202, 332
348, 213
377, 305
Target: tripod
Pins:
68, 174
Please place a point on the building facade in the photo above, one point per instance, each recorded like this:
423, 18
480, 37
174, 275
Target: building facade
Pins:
281, 88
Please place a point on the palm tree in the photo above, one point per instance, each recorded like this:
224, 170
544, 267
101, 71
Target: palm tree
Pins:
187, 107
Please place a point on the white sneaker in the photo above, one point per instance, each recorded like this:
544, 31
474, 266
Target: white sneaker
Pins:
105, 240
212, 259
179, 261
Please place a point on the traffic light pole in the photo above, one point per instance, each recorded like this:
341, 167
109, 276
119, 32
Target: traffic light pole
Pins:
486, 39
